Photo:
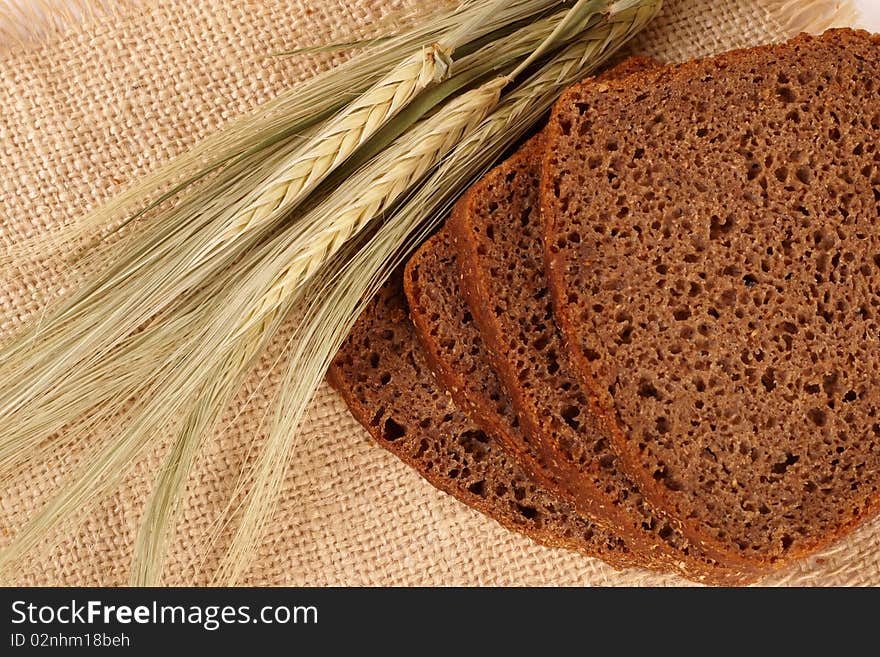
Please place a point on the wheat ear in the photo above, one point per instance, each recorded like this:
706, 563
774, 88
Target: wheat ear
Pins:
401, 168
106, 457
335, 143
339, 218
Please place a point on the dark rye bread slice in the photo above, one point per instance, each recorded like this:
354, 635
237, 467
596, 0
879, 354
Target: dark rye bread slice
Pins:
381, 373
453, 346
456, 351
713, 248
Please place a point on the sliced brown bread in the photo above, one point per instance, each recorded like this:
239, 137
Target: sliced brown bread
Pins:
447, 328
383, 377
454, 347
712, 239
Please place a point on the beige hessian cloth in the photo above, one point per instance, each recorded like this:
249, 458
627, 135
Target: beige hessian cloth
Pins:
82, 114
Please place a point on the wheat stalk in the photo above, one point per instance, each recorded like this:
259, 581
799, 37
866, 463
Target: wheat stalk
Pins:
187, 360
164, 505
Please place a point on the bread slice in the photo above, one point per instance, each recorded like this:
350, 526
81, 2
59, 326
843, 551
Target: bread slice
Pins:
383, 377
449, 333
712, 239
453, 346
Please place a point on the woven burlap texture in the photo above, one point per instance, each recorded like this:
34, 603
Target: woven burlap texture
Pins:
85, 113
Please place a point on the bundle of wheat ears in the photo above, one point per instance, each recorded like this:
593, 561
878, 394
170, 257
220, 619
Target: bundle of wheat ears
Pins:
301, 210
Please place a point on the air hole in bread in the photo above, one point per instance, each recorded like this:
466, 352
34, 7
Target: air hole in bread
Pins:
392, 431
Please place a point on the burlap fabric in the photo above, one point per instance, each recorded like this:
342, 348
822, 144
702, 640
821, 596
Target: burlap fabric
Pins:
86, 112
